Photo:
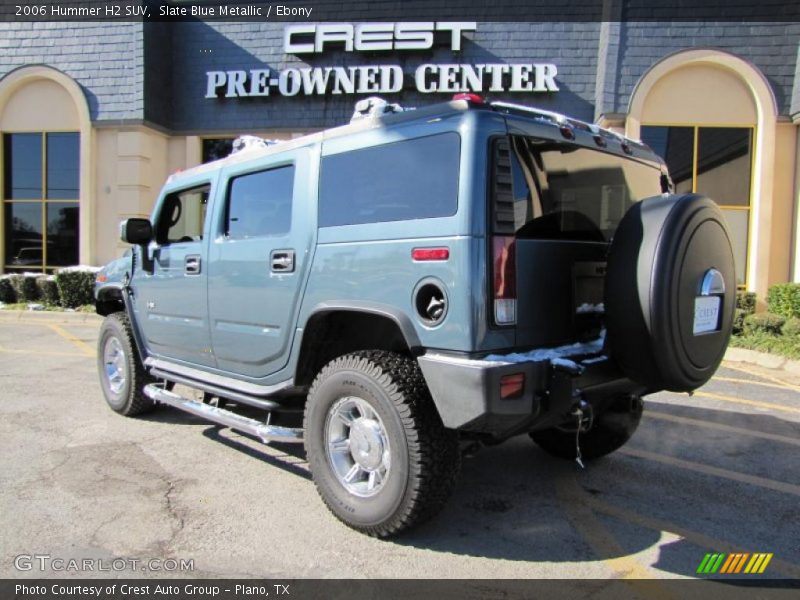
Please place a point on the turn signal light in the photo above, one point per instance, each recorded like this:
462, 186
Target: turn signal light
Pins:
512, 386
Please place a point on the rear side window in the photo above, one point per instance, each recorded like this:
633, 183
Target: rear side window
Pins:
260, 204
412, 179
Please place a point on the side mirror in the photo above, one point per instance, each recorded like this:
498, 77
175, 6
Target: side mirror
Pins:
136, 231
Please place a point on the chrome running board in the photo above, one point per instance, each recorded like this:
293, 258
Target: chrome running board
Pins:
266, 433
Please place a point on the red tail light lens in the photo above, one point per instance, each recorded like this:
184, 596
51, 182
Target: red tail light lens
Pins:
504, 271
512, 386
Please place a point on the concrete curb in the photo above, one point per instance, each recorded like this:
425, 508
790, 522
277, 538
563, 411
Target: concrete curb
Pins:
44, 316
762, 359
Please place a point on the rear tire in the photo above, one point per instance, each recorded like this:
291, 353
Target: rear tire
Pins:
380, 457
611, 430
122, 375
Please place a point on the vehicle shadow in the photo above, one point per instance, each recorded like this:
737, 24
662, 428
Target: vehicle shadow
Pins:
516, 503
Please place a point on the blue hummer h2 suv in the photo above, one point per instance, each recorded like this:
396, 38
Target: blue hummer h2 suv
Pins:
415, 282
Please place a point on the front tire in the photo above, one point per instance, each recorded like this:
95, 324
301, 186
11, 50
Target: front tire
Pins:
380, 457
611, 430
122, 375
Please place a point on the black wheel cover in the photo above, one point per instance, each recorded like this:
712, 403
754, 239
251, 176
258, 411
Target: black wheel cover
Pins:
661, 252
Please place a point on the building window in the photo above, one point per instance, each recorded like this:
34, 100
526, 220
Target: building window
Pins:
40, 200
716, 162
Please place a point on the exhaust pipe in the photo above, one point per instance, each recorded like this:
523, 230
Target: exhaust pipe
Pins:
266, 433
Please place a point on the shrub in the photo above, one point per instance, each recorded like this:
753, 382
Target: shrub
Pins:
25, 286
746, 301
48, 290
738, 321
792, 327
76, 286
784, 299
763, 323
7, 293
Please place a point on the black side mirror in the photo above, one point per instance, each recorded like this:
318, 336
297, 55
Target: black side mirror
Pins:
136, 231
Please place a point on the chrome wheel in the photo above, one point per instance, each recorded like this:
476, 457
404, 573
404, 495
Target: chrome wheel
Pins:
357, 446
115, 365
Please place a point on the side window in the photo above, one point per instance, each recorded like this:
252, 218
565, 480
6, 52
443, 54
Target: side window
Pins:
411, 179
182, 216
260, 204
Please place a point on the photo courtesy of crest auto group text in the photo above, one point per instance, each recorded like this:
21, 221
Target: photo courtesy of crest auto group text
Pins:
399, 299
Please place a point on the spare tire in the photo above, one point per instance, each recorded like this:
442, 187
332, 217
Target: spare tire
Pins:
670, 292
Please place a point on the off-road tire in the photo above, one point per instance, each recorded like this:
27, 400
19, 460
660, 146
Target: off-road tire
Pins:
425, 457
130, 399
611, 430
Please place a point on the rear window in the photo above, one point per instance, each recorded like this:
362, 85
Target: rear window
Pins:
412, 179
552, 190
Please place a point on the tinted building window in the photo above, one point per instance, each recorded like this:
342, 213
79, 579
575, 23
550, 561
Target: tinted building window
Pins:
41, 191
260, 204
216, 148
715, 162
413, 179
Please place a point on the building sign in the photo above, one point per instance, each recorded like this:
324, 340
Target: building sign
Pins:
428, 78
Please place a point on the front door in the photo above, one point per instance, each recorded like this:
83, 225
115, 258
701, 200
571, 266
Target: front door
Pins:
172, 302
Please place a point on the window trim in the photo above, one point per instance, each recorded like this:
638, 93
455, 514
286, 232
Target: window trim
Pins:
695, 159
7, 267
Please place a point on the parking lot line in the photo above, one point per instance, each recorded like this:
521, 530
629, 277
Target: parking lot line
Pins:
780, 382
698, 539
784, 439
85, 348
770, 484
780, 386
600, 539
745, 401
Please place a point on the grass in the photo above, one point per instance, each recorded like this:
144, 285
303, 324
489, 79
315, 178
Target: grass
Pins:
783, 345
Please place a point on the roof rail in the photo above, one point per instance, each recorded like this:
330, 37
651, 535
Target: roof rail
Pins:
563, 120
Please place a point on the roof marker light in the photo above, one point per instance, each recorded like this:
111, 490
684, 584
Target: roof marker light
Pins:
475, 98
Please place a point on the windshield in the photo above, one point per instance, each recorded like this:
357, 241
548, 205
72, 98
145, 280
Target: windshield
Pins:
567, 192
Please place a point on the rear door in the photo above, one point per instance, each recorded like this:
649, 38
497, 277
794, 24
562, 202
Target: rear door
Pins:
259, 259
172, 302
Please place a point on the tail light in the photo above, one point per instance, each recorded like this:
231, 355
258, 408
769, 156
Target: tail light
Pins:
505, 280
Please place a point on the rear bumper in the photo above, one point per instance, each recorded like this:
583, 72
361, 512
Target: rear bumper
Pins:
467, 392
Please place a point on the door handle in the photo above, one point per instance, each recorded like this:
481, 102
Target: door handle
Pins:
282, 261
191, 264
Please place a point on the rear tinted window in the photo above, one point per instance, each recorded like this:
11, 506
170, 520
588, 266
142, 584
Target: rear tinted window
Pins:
564, 191
260, 204
412, 179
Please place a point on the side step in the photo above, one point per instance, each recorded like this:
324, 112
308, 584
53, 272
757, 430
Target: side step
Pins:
266, 433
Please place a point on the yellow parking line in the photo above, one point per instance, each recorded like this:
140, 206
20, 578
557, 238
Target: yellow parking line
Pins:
745, 401
781, 382
84, 347
774, 437
698, 539
770, 484
39, 352
601, 541
780, 386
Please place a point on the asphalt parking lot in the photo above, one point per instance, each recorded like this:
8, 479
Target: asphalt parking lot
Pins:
713, 473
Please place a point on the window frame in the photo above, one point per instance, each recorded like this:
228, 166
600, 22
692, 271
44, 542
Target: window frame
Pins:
695, 160
42, 201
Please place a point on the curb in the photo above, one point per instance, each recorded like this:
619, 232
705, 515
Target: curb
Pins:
762, 359
43, 316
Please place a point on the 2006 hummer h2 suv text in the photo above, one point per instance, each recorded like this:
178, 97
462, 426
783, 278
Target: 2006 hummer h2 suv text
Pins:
416, 281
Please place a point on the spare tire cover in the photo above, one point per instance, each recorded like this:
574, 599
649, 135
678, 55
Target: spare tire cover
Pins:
670, 257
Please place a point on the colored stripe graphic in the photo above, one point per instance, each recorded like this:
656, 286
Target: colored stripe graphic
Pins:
734, 563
